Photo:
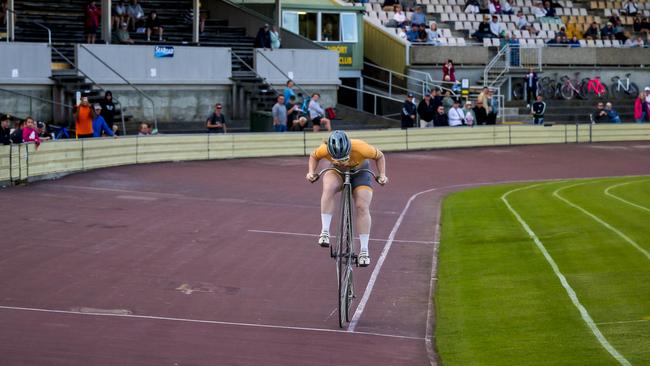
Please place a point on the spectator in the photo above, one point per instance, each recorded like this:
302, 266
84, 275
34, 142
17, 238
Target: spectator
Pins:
440, 118
279, 112
399, 17
84, 119
523, 24
607, 31
480, 112
484, 30
634, 42
41, 130
555, 42
293, 115
469, 114
561, 32
216, 123
447, 101
136, 15
418, 16
5, 131
426, 111
288, 92
636, 24
433, 34
456, 115
449, 72
612, 114
154, 26
122, 35
402, 33
647, 102
144, 129
29, 132
631, 8
3, 12
494, 7
413, 35
645, 25
640, 108
263, 38
472, 7
539, 11
91, 23
423, 35
537, 110
317, 114
550, 10
530, 86
600, 114
188, 19
507, 8
119, 14
275, 38
574, 42
99, 124
408, 112
492, 105
495, 27
108, 108
592, 32
389, 5
436, 98
17, 133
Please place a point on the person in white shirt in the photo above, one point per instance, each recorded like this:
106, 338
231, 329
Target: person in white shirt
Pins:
495, 26
433, 34
522, 22
631, 8
538, 10
506, 7
472, 7
456, 115
399, 17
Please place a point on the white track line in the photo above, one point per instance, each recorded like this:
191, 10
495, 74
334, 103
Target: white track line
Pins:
624, 200
556, 193
625, 322
199, 321
572, 295
316, 235
380, 263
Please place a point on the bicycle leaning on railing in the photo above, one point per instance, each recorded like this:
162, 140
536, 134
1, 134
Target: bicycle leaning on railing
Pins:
343, 251
625, 88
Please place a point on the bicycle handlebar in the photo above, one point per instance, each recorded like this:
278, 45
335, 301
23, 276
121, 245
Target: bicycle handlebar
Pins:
341, 172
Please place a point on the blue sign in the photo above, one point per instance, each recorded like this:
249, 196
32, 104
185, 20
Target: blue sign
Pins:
163, 51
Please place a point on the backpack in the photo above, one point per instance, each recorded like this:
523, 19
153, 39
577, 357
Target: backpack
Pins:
330, 113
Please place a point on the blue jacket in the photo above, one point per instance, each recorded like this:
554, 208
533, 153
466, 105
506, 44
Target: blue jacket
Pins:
100, 125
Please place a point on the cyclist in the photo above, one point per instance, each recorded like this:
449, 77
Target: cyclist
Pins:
346, 153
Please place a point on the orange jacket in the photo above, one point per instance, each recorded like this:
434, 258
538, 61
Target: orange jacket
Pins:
84, 123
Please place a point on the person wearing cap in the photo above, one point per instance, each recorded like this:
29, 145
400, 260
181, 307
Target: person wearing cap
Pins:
607, 31
408, 112
122, 36
456, 115
5, 130
426, 111
469, 114
99, 124
41, 129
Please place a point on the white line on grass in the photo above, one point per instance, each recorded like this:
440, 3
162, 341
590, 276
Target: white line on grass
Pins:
316, 235
624, 200
625, 322
556, 193
567, 287
199, 321
380, 263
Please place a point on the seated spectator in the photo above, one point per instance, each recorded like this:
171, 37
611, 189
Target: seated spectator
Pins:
154, 26
472, 7
29, 132
119, 14
555, 42
456, 115
561, 32
144, 129
122, 35
294, 115
419, 17
550, 10
91, 23
523, 24
17, 133
440, 118
100, 128
389, 5
494, 7
634, 42
539, 11
612, 114
447, 101
5, 130
507, 7
402, 33
574, 42
600, 114
449, 72
636, 24
630, 8
399, 17
423, 35
496, 28
136, 15
592, 32
484, 30
317, 114
433, 34
413, 35
469, 114
607, 31
216, 123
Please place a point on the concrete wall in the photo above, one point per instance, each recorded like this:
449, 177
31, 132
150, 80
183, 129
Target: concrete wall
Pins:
25, 63
433, 55
189, 66
300, 63
21, 106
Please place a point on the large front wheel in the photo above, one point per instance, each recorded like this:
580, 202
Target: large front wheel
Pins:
344, 257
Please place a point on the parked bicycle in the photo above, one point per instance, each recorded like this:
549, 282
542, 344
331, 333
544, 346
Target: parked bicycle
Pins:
621, 89
549, 87
572, 88
594, 88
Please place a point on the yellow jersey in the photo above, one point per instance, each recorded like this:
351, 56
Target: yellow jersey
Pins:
359, 152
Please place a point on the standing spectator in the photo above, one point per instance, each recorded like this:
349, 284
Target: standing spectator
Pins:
29, 132
631, 8
537, 110
3, 10
448, 71
122, 36
216, 123
288, 91
472, 7
279, 112
5, 131
136, 15
263, 37
99, 124
17, 133
640, 111
119, 14
436, 98
530, 86
293, 115
188, 19
447, 101
426, 111
317, 114
84, 119
612, 114
408, 112
492, 107
91, 24
418, 17
433, 34
647, 102
108, 108
456, 115
275, 38
600, 114
154, 26
470, 119
480, 112
440, 118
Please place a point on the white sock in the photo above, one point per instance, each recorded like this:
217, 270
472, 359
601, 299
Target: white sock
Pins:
364, 239
326, 220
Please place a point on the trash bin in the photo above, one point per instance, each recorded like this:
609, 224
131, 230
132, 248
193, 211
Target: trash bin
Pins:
261, 121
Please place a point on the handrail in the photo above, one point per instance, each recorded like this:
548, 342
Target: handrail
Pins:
254, 71
493, 63
31, 97
49, 31
153, 104
427, 84
257, 51
375, 96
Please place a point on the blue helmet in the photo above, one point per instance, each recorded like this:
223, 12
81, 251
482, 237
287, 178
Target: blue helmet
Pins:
338, 145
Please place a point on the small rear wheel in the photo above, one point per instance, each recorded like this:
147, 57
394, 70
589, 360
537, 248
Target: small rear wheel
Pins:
567, 92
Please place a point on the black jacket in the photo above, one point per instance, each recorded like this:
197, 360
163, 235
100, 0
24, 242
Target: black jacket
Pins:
426, 111
440, 120
408, 110
263, 38
539, 108
17, 136
481, 116
5, 136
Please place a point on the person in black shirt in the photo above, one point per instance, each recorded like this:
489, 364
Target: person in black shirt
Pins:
440, 119
538, 109
108, 108
5, 131
484, 30
480, 112
216, 123
600, 115
263, 38
426, 111
408, 112
17, 135
154, 26
293, 115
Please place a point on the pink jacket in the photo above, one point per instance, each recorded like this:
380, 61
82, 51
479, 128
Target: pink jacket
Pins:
30, 135
638, 108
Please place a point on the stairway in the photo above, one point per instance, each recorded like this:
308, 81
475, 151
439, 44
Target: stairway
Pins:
576, 110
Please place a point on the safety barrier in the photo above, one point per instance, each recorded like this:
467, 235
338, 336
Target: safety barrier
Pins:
23, 162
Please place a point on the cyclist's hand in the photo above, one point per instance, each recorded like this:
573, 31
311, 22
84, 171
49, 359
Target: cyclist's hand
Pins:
312, 177
382, 179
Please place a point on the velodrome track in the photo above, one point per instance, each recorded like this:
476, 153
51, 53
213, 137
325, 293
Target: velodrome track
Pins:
213, 262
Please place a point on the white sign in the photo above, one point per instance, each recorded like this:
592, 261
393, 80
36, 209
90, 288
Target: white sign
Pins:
153, 72
14, 73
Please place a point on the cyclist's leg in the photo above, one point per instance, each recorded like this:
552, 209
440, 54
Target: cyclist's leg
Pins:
362, 199
331, 185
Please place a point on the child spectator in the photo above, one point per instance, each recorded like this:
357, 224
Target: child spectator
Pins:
5, 131
91, 23
29, 132
469, 114
41, 129
99, 124
17, 133
612, 114
144, 129
153, 25
537, 110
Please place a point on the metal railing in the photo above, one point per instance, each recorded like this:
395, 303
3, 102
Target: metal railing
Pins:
415, 85
511, 57
251, 68
500, 63
32, 97
375, 96
258, 52
13, 22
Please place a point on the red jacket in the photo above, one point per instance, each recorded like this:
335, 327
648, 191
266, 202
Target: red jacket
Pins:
92, 16
448, 71
30, 135
639, 106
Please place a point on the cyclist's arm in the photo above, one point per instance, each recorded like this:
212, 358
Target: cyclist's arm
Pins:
380, 162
